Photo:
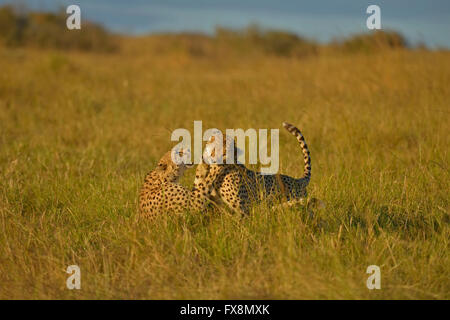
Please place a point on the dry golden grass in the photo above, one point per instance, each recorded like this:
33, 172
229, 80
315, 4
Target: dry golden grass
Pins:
80, 130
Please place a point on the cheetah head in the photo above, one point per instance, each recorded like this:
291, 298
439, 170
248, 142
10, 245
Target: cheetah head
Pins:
169, 170
222, 152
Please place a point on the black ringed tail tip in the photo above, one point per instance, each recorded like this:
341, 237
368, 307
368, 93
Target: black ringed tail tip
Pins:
306, 157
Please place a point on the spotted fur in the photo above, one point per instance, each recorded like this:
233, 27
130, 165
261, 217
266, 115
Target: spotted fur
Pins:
161, 193
239, 187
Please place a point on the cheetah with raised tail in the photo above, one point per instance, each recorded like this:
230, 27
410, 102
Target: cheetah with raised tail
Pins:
239, 187
161, 193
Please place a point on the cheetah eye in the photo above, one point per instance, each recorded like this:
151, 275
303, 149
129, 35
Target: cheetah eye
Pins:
162, 166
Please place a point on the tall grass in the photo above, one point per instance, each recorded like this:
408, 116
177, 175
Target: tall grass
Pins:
80, 130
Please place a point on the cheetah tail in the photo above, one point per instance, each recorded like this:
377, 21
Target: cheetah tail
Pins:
295, 132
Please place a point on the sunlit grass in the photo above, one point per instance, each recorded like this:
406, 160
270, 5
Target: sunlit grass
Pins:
80, 130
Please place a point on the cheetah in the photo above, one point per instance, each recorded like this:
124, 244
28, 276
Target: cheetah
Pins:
239, 187
160, 192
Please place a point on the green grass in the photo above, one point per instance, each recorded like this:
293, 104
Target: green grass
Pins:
80, 130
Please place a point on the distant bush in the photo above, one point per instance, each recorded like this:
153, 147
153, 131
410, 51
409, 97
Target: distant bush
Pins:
48, 30
254, 40
276, 42
12, 26
373, 41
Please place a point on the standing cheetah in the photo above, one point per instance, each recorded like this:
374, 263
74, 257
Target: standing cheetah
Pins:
239, 187
161, 193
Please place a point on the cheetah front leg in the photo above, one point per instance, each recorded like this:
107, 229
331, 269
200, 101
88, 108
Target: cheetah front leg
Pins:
205, 177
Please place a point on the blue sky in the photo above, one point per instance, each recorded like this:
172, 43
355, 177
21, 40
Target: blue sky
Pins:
419, 20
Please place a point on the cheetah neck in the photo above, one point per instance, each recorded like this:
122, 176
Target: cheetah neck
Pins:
153, 180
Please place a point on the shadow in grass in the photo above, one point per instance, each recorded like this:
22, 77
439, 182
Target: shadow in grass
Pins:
407, 223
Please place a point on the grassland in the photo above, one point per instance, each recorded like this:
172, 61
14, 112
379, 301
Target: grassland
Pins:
79, 130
